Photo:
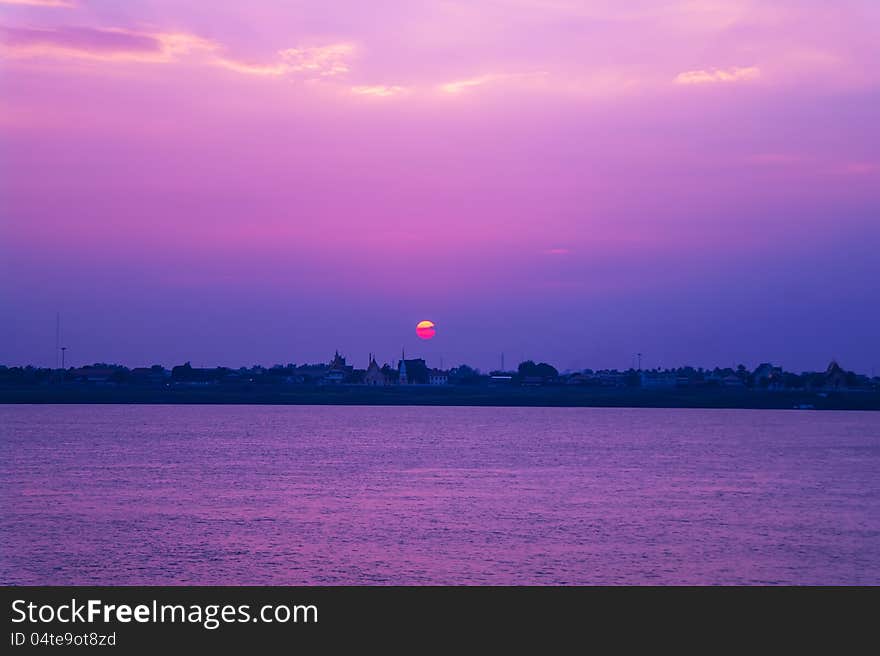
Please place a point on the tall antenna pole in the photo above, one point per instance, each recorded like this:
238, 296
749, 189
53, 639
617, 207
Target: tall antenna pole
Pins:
57, 336
63, 349
640, 360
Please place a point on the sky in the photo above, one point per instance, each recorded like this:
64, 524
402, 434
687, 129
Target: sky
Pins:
233, 183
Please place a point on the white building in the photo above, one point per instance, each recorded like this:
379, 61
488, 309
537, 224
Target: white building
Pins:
437, 377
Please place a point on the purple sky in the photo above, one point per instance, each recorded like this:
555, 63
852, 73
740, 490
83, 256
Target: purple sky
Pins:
237, 183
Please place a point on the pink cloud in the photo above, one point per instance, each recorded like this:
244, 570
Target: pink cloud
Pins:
458, 86
65, 4
775, 158
81, 39
378, 90
124, 45
98, 44
713, 76
313, 61
860, 168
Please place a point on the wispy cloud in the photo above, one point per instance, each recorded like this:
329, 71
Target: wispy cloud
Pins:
860, 168
314, 62
775, 159
122, 45
815, 165
458, 86
268, 70
715, 75
320, 60
99, 44
66, 4
380, 90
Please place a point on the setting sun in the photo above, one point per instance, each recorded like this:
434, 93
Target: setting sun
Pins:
425, 329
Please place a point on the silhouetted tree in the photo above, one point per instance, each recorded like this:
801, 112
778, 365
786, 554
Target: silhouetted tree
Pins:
540, 370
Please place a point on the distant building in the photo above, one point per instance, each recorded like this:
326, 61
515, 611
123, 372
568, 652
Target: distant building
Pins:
375, 377
95, 375
338, 371
187, 375
437, 377
412, 372
835, 377
156, 375
597, 379
611, 379
767, 376
657, 380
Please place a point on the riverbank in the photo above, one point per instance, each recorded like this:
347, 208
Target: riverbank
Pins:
450, 396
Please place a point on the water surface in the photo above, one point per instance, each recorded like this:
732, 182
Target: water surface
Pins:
333, 495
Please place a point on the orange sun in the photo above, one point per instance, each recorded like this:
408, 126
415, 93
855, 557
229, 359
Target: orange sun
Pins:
425, 329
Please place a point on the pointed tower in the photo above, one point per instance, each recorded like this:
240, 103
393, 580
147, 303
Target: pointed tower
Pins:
402, 368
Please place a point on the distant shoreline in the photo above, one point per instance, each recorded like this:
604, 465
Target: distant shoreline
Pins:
452, 396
